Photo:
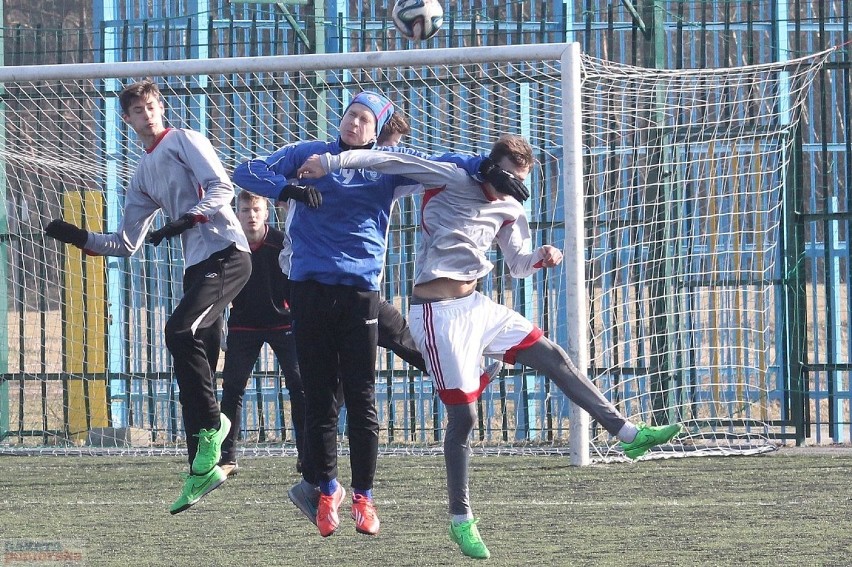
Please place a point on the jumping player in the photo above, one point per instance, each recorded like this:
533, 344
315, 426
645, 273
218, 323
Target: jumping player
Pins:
181, 174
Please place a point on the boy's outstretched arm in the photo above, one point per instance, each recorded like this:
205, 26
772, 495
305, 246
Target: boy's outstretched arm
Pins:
428, 172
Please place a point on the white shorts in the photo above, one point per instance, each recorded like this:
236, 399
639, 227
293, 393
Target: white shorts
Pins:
455, 333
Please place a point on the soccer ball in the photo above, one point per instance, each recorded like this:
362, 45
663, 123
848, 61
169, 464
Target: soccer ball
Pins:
418, 19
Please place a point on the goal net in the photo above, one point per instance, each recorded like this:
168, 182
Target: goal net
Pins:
679, 176
685, 184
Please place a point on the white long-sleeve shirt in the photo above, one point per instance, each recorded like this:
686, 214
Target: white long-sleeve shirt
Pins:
179, 174
459, 222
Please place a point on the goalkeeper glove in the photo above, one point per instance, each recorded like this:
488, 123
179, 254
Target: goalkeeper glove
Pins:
306, 194
172, 229
67, 233
503, 181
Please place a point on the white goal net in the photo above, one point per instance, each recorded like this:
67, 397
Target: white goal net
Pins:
683, 174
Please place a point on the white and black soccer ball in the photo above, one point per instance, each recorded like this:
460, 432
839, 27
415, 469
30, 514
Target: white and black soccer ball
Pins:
418, 20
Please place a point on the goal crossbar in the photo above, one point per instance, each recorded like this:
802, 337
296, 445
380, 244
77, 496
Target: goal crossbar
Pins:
286, 63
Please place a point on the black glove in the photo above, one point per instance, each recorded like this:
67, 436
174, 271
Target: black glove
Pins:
67, 233
306, 194
503, 181
171, 229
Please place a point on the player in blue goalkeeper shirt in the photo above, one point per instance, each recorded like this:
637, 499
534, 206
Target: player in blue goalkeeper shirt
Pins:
180, 174
337, 261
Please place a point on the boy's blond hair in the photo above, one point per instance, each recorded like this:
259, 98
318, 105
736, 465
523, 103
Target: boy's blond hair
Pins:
249, 197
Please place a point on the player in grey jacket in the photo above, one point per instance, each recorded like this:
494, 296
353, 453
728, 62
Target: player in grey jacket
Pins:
180, 174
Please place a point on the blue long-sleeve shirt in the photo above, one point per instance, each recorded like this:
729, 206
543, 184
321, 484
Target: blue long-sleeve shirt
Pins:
343, 242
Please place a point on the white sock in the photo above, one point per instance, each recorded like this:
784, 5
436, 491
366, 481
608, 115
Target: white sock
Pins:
457, 519
627, 433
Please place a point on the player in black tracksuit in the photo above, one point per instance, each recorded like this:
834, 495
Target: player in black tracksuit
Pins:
260, 314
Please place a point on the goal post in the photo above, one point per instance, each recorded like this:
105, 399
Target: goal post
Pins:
575, 246
663, 188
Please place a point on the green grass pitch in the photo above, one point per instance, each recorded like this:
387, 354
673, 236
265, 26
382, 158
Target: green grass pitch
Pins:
792, 507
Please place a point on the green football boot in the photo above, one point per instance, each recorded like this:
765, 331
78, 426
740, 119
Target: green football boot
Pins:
470, 542
210, 446
196, 487
648, 437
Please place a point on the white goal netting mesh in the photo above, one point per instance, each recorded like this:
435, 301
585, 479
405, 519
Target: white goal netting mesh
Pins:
683, 178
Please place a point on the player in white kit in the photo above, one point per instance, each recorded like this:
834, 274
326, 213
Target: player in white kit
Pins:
454, 325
